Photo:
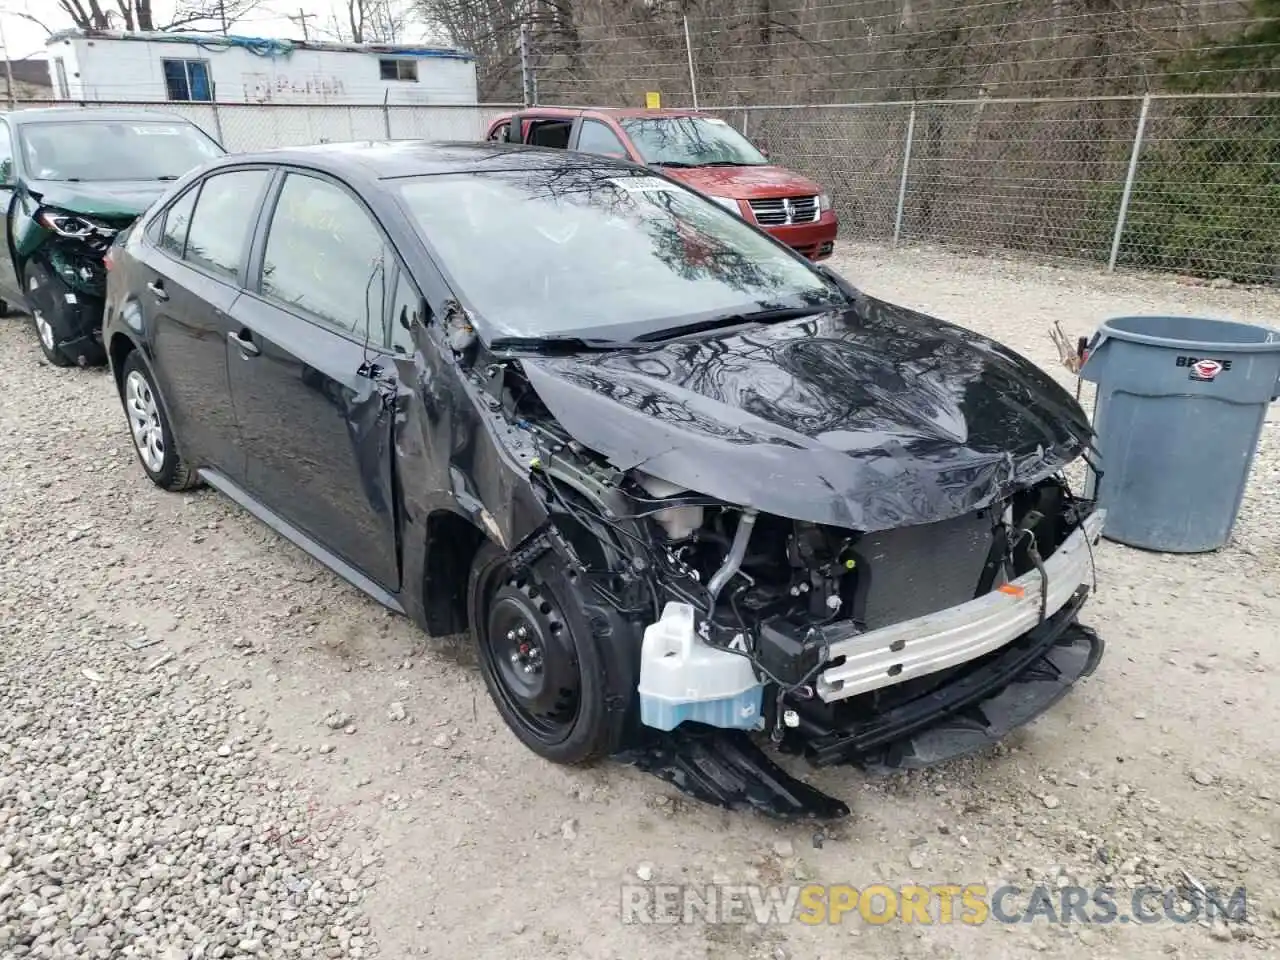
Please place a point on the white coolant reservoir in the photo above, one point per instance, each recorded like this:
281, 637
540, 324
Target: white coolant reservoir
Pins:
682, 677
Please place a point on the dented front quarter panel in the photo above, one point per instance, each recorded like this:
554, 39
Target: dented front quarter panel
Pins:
456, 455
869, 418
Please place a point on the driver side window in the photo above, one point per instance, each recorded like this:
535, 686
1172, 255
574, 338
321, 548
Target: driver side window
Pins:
324, 256
596, 137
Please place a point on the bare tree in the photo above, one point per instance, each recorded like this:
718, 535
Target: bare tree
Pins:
372, 21
491, 30
137, 15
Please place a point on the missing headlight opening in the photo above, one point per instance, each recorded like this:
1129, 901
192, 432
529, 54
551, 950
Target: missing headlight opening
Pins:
893, 647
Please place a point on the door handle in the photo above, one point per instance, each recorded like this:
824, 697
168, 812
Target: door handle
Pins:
157, 290
247, 347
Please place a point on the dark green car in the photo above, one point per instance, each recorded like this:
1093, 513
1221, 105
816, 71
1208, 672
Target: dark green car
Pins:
70, 180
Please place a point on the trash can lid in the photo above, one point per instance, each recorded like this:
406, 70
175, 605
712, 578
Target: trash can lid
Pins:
1194, 333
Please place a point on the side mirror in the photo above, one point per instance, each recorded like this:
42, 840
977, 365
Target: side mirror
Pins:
6, 173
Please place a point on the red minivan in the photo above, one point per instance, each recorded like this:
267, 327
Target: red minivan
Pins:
700, 150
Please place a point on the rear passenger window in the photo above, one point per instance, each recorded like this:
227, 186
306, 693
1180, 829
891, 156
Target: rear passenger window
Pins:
500, 132
223, 220
173, 238
325, 256
550, 133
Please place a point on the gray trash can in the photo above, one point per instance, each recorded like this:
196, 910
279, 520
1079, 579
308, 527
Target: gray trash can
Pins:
1180, 407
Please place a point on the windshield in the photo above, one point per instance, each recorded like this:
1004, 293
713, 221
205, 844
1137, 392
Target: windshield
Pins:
114, 150
691, 142
599, 252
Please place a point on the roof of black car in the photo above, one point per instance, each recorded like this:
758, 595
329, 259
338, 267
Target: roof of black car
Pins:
74, 114
413, 158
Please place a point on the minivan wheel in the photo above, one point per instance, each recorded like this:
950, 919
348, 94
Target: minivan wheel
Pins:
153, 438
559, 676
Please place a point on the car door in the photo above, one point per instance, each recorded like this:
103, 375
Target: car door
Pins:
314, 412
192, 270
10, 289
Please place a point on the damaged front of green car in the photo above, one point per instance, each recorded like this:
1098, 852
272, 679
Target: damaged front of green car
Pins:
74, 179
60, 234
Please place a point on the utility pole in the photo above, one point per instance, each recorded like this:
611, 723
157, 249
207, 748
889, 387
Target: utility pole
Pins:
527, 92
8, 65
301, 19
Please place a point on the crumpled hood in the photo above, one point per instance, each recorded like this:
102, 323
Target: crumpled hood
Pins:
114, 199
869, 418
742, 183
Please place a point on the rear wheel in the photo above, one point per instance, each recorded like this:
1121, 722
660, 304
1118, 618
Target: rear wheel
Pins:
149, 426
560, 670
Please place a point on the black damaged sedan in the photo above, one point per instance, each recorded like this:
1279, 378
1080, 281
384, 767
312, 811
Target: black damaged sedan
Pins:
691, 495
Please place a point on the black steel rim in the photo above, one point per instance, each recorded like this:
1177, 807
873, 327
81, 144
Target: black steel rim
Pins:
528, 650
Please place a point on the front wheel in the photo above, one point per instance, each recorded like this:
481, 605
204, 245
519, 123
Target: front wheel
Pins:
149, 426
59, 316
560, 669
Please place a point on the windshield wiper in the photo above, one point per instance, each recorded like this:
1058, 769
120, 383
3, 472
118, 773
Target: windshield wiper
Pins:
771, 315
672, 163
168, 176
562, 344
729, 163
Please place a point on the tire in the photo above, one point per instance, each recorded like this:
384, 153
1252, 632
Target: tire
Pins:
579, 701
57, 321
153, 438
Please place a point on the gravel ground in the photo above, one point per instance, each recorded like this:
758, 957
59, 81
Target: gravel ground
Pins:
289, 771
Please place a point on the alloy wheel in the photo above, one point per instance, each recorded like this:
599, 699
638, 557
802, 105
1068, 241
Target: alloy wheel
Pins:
144, 421
43, 326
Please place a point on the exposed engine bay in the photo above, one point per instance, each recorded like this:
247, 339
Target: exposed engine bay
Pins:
836, 623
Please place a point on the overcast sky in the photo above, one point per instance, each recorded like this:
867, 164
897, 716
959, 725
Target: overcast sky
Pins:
267, 20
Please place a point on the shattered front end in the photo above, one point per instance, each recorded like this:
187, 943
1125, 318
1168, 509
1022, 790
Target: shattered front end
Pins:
851, 538
896, 649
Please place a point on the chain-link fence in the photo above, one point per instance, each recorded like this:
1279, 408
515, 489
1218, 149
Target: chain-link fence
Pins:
1180, 183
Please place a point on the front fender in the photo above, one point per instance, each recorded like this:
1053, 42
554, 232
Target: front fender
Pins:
26, 235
